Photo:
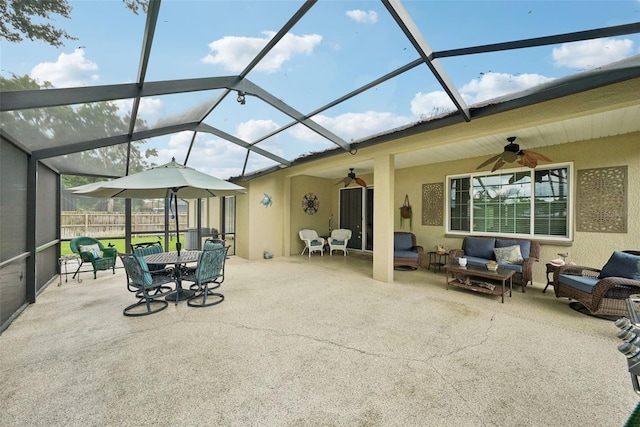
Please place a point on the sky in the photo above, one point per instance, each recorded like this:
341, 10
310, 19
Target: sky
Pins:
337, 47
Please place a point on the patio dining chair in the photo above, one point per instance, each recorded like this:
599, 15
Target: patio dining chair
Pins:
208, 275
148, 285
148, 248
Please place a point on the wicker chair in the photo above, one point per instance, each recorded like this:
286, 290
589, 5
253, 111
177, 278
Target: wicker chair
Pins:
93, 251
406, 253
601, 296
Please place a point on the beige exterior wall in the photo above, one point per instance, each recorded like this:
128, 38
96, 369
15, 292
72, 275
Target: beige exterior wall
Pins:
276, 228
269, 230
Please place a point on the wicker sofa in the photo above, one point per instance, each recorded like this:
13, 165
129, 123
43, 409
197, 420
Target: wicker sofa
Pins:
406, 253
602, 291
480, 250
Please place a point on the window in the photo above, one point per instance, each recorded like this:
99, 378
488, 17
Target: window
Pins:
502, 203
229, 215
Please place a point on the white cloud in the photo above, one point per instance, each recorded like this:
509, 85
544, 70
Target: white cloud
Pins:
149, 109
351, 126
493, 85
234, 53
210, 154
489, 86
363, 17
591, 53
431, 104
70, 70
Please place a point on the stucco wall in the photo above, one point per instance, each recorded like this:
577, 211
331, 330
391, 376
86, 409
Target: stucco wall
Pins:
270, 227
326, 192
587, 248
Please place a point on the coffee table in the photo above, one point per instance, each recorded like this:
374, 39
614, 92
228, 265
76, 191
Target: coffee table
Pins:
469, 278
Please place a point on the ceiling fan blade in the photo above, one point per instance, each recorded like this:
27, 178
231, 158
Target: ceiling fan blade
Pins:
489, 161
361, 182
535, 156
347, 181
498, 164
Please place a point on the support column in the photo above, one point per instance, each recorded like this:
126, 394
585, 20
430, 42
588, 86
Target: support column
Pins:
383, 184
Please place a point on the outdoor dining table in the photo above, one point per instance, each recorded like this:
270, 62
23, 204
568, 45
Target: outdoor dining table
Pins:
178, 260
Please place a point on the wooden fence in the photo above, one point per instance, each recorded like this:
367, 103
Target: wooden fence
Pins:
111, 224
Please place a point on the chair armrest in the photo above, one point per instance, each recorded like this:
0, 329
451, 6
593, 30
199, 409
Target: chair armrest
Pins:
419, 249
620, 286
109, 252
87, 256
455, 253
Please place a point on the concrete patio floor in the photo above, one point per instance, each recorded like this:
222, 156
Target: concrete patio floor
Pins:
311, 342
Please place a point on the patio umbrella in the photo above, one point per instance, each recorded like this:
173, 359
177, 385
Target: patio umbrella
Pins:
165, 181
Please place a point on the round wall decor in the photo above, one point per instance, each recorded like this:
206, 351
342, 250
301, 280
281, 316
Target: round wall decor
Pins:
310, 203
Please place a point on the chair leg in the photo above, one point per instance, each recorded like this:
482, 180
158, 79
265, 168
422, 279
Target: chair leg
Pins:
148, 302
200, 299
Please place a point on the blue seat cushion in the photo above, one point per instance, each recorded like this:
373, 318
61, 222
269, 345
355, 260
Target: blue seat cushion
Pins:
480, 247
337, 242
405, 254
402, 242
515, 267
316, 243
582, 283
478, 261
525, 245
621, 264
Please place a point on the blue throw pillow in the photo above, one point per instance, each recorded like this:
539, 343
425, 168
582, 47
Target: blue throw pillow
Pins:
621, 264
481, 247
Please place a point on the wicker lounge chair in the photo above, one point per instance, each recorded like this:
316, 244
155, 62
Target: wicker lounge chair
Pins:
600, 293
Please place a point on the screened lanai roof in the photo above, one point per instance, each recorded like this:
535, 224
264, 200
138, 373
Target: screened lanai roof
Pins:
233, 88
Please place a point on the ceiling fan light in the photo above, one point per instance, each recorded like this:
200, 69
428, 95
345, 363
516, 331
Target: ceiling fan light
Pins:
509, 156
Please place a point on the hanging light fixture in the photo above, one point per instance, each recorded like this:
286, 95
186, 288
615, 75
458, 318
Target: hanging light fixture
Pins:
241, 98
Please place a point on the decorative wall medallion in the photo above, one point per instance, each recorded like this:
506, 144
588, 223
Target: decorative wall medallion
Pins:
310, 203
602, 200
432, 203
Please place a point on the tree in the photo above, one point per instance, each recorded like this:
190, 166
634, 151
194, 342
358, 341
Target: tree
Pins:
17, 19
64, 123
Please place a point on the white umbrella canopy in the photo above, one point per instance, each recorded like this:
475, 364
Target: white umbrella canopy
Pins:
164, 181
160, 181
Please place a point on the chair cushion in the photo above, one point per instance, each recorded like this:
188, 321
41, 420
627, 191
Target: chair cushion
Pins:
316, 243
337, 242
508, 255
621, 264
525, 245
402, 242
148, 280
582, 283
481, 247
405, 254
94, 249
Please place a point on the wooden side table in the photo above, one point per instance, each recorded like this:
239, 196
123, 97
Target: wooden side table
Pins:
551, 269
437, 260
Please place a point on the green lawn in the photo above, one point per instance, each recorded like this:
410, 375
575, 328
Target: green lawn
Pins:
119, 243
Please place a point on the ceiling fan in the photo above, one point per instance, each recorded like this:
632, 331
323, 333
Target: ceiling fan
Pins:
513, 153
351, 176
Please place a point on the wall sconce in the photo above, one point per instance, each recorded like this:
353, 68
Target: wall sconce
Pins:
240, 98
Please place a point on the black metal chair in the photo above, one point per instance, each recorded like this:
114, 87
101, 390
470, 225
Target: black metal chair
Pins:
148, 248
208, 275
148, 287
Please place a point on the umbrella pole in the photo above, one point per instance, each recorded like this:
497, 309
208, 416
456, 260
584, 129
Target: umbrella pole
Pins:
178, 244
